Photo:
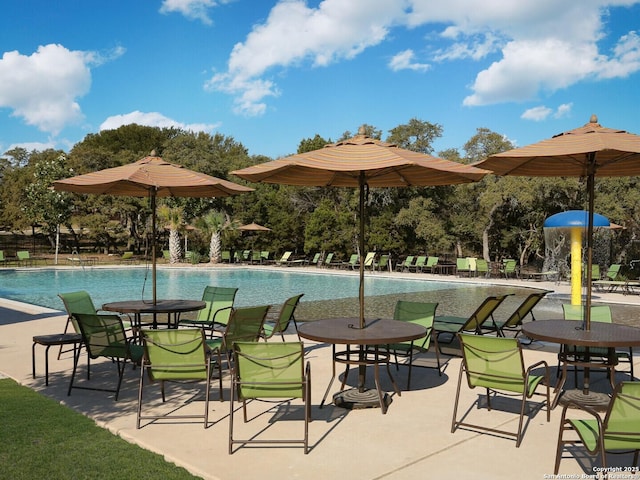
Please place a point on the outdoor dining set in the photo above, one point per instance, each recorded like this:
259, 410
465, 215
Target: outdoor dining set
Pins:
254, 344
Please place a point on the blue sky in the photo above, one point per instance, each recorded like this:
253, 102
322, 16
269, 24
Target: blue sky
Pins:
270, 73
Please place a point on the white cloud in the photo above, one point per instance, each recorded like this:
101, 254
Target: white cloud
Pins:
153, 119
405, 61
563, 110
294, 33
30, 146
43, 88
536, 114
540, 45
191, 9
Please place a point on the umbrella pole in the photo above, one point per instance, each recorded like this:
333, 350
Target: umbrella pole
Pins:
153, 243
591, 192
361, 245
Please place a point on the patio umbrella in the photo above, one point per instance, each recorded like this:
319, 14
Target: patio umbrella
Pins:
361, 162
583, 152
150, 177
254, 227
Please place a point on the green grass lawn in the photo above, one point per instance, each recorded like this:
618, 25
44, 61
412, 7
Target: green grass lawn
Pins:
40, 438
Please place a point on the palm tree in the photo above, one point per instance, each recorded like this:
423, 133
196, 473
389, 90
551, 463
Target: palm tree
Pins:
173, 217
214, 223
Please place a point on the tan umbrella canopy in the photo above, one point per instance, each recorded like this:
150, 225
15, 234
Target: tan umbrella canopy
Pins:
254, 227
361, 162
150, 177
583, 152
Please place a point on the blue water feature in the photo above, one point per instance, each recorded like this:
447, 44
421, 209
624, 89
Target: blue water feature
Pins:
40, 287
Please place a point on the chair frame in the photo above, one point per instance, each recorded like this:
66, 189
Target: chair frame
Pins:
602, 426
521, 384
285, 317
120, 351
148, 366
207, 317
413, 344
238, 383
514, 322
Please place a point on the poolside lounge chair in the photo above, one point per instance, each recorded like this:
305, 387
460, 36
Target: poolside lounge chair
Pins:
406, 264
421, 261
3, 260
382, 264
215, 315
618, 432
431, 265
225, 256
509, 268
24, 258
482, 267
446, 327
284, 319
328, 261
611, 281
267, 371
176, 355
104, 336
420, 313
127, 257
316, 259
513, 324
369, 260
463, 267
352, 263
497, 365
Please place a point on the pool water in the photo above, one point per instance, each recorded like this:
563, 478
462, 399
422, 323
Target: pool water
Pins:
255, 287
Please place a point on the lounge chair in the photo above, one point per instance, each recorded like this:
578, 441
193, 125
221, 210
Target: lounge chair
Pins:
127, 257
482, 268
618, 432
352, 263
24, 259
215, 315
513, 324
267, 371
315, 260
472, 266
611, 281
369, 260
463, 267
176, 355
256, 257
406, 264
420, 313
285, 317
265, 256
328, 261
496, 364
446, 327
3, 260
509, 268
104, 336
382, 264
431, 265
421, 261
287, 261
225, 256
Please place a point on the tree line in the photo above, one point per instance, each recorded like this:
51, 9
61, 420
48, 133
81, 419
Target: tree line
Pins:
498, 217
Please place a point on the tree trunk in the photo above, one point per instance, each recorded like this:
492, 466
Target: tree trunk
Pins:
215, 248
175, 249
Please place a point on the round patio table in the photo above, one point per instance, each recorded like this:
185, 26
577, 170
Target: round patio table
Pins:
346, 331
572, 332
173, 309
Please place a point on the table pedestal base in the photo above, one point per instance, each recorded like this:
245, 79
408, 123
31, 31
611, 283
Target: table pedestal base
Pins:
354, 399
595, 400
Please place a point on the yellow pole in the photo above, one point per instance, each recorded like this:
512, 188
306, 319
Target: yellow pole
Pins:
576, 266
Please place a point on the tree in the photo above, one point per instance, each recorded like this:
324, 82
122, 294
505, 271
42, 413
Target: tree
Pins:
417, 135
213, 224
172, 217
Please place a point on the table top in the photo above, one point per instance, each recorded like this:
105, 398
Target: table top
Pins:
161, 306
570, 332
346, 331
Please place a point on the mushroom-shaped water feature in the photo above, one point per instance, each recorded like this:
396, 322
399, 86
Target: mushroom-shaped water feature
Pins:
576, 221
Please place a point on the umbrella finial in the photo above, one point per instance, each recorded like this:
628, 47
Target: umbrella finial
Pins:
153, 153
362, 130
593, 119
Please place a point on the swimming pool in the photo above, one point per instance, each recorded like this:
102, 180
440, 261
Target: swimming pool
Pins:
330, 294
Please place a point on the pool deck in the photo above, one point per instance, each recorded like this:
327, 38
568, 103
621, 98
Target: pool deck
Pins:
413, 440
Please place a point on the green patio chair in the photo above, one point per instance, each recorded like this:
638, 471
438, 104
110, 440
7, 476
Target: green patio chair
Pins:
285, 317
496, 364
176, 355
225, 256
421, 261
269, 371
482, 268
382, 263
577, 354
3, 260
104, 336
446, 326
24, 258
509, 268
352, 263
612, 280
285, 258
215, 316
369, 260
619, 432
431, 265
463, 267
316, 259
328, 261
406, 264
420, 313
245, 325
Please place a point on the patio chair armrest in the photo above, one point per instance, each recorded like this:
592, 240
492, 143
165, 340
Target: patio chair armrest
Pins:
220, 310
575, 405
